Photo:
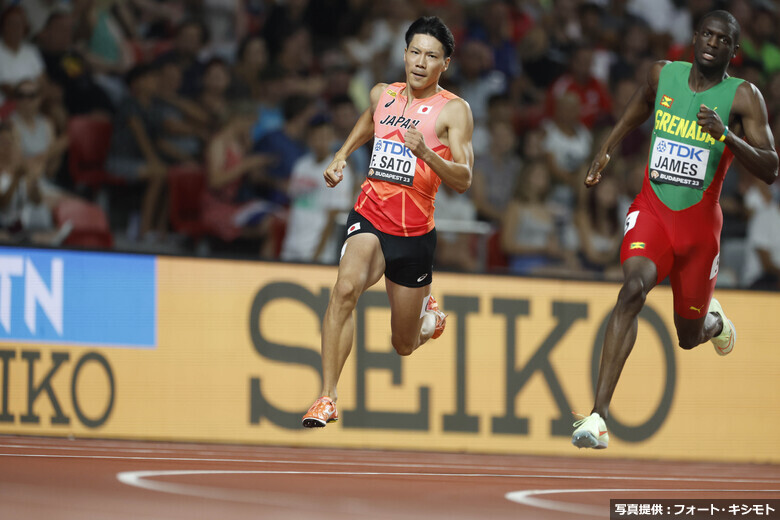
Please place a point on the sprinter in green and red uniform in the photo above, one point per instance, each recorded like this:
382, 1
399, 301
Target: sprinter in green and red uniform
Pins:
702, 120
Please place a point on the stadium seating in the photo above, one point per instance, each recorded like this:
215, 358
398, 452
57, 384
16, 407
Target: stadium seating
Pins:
186, 184
90, 225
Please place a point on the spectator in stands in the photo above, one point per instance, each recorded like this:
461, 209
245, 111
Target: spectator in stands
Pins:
762, 251
68, 69
495, 28
759, 42
133, 155
312, 227
594, 97
286, 145
213, 97
296, 59
495, 173
599, 229
24, 212
567, 144
634, 46
476, 80
455, 250
189, 40
185, 125
344, 115
499, 109
251, 60
230, 164
19, 59
42, 149
529, 235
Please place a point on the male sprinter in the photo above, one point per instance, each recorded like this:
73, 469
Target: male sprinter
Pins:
703, 119
422, 137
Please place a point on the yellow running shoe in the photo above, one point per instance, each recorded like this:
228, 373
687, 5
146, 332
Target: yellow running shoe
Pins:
725, 341
590, 432
321, 413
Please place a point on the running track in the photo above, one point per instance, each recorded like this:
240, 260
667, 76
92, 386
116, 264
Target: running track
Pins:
60, 479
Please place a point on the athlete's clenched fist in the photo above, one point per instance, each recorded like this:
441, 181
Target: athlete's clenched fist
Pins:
415, 142
710, 122
333, 173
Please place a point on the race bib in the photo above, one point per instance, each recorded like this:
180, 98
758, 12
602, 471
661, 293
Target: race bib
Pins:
680, 164
391, 161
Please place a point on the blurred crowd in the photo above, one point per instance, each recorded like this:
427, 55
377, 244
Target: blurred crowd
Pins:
204, 126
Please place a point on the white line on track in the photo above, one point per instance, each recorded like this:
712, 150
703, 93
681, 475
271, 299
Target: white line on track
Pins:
529, 497
494, 475
144, 480
375, 464
306, 462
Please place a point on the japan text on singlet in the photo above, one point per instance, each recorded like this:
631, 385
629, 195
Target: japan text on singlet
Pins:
685, 162
398, 194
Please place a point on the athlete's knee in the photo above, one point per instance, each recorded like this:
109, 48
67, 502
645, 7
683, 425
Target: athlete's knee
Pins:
346, 292
633, 294
404, 346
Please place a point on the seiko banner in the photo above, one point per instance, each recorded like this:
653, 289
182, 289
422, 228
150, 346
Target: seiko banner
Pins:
182, 349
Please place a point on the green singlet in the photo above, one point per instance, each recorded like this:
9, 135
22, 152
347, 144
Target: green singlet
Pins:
684, 160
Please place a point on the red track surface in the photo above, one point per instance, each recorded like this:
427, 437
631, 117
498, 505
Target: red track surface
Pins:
59, 479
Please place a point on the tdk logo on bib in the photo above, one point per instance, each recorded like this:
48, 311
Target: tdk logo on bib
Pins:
680, 164
392, 161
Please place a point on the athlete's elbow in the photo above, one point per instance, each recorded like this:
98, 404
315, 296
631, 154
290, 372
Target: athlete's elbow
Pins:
464, 184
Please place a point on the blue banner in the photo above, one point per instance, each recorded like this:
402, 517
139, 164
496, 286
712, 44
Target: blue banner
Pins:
84, 298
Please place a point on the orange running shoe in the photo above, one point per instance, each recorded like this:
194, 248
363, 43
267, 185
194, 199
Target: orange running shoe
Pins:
441, 318
321, 413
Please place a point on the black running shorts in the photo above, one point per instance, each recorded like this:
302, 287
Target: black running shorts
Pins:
408, 260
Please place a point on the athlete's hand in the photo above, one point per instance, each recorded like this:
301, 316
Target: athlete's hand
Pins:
596, 167
710, 122
333, 173
415, 142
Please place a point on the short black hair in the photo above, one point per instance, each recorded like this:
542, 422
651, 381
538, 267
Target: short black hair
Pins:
432, 26
295, 105
139, 71
727, 18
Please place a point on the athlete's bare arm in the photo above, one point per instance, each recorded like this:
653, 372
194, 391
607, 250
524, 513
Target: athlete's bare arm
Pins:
454, 128
756, 152
637, 111
360, 134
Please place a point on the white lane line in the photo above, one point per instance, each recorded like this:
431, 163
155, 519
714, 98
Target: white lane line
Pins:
144, 480
398, 465
274, 499
529, 497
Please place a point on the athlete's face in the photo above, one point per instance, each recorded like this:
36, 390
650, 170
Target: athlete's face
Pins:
714, 44
424, 61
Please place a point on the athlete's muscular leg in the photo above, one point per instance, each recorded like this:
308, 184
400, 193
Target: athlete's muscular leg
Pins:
406, 305
639, 276
361, 266
692, 333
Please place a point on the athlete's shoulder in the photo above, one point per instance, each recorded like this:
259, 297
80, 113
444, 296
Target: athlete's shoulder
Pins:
457, 111
654, 73
747, 98
376, 93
